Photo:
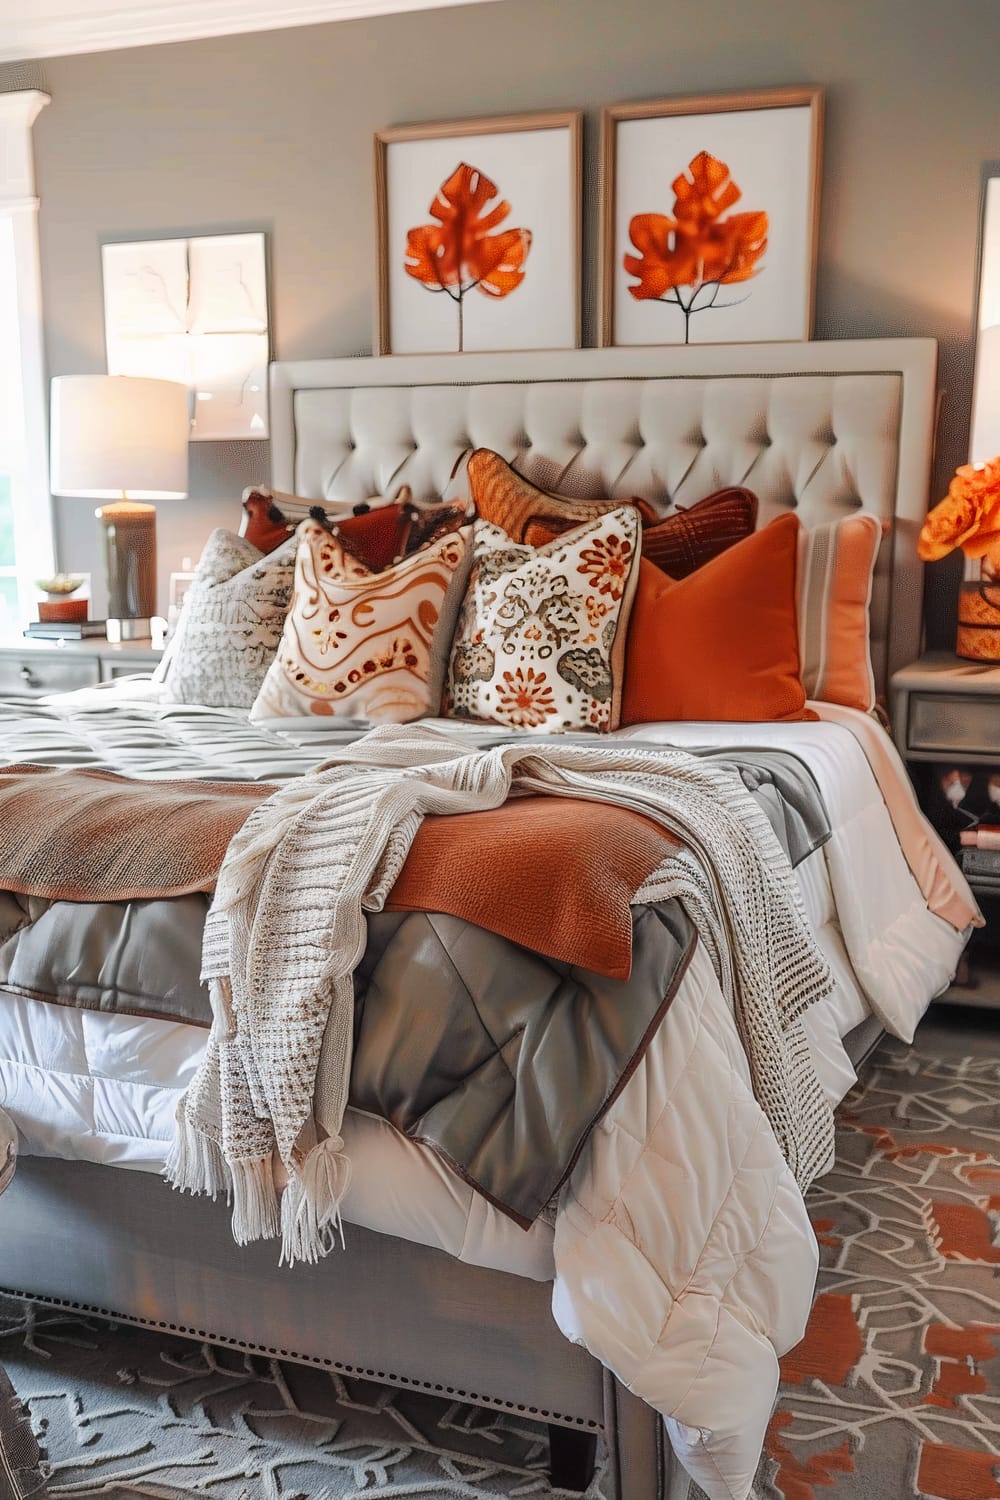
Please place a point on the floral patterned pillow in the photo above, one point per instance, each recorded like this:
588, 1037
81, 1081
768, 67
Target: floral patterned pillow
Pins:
540, 642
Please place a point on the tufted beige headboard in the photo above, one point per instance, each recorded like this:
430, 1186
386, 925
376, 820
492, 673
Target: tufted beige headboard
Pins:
822, 428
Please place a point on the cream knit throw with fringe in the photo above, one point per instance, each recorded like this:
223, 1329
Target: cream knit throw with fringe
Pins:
287, 929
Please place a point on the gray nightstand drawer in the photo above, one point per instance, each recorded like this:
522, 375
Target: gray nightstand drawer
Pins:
128, 666
938, 721
34, 673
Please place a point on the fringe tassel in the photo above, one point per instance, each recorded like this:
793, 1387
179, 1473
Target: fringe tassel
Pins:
255, 1202
195, 1164
311, 1220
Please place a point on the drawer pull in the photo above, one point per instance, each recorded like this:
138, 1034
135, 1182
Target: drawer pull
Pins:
28, 677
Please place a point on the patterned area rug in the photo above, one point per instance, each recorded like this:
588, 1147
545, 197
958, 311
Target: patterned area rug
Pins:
893, 1394
127, 1411
895, 1391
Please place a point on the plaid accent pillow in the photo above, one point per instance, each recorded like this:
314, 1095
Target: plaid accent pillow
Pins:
688, 538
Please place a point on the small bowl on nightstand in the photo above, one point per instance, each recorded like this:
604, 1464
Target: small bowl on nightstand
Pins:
59, 608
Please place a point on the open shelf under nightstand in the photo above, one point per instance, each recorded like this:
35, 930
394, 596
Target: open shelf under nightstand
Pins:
946, 711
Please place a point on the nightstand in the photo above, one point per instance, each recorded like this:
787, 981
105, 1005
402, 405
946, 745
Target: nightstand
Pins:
946, 713
31, 668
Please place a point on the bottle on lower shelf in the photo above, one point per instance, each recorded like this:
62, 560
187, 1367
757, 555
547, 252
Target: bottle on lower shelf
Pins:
982, 836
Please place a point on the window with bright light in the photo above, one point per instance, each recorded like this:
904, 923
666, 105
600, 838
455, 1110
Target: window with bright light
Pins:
12, 445
26, 552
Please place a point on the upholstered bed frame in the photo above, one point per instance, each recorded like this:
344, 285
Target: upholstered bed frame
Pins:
827, 428
824, 429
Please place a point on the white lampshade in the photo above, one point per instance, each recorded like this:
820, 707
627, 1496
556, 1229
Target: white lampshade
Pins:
115, 434
985, 441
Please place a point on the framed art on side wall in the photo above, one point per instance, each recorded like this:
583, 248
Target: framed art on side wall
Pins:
478, 235
709, 218
194, 310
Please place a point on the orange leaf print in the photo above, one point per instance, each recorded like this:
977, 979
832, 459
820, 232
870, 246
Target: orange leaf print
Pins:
464, 249
699, 249
708, 192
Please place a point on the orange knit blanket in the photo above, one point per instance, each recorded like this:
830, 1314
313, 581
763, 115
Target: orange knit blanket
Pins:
87, 835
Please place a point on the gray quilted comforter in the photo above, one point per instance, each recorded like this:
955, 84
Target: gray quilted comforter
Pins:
500, 1059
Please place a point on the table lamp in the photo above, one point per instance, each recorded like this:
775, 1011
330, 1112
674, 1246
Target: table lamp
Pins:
123, 439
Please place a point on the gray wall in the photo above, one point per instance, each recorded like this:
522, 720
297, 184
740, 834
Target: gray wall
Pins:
273, 131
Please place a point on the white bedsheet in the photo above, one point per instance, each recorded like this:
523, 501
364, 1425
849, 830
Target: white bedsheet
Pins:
717, 1290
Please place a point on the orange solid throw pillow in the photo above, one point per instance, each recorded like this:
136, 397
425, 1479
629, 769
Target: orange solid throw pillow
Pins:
722, 643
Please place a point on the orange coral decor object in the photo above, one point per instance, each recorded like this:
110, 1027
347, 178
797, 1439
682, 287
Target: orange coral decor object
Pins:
687, 259
969, 517
464, 249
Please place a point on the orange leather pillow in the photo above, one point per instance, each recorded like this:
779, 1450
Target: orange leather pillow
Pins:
377, 535
506, 499
722, 643
555, 874
265, 526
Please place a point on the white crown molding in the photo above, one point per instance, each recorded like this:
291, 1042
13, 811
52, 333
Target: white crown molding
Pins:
53, 28
18, 112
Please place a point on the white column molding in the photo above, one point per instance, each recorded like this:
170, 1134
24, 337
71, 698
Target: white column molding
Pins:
33, 532
18, 112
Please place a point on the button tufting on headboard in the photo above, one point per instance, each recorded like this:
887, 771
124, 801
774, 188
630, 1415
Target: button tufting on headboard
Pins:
825, 429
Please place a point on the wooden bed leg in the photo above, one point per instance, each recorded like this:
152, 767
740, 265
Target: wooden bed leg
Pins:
572, 1456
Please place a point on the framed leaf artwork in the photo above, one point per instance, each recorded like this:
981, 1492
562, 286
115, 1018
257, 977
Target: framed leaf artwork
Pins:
709, 218
478, 234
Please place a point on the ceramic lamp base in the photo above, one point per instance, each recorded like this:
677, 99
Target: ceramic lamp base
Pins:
979, 621
129, 530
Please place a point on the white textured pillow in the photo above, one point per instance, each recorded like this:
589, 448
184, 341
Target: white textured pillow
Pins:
363, 645
231, 623
540, 642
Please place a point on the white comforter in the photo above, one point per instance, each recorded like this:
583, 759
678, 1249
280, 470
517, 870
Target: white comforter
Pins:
682, 1255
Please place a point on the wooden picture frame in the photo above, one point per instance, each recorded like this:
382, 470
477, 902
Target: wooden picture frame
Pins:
665, 138
536, 173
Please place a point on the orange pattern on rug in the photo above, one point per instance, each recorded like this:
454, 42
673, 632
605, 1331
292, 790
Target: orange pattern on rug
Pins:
894, 1392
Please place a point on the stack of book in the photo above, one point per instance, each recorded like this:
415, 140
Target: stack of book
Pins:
65, 630
981, 857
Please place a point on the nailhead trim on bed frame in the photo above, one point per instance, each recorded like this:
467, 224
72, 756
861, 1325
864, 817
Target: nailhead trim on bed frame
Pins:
387, 1377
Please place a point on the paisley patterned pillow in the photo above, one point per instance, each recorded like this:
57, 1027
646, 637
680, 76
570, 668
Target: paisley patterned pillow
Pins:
230, 625
540, 642
364, 645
